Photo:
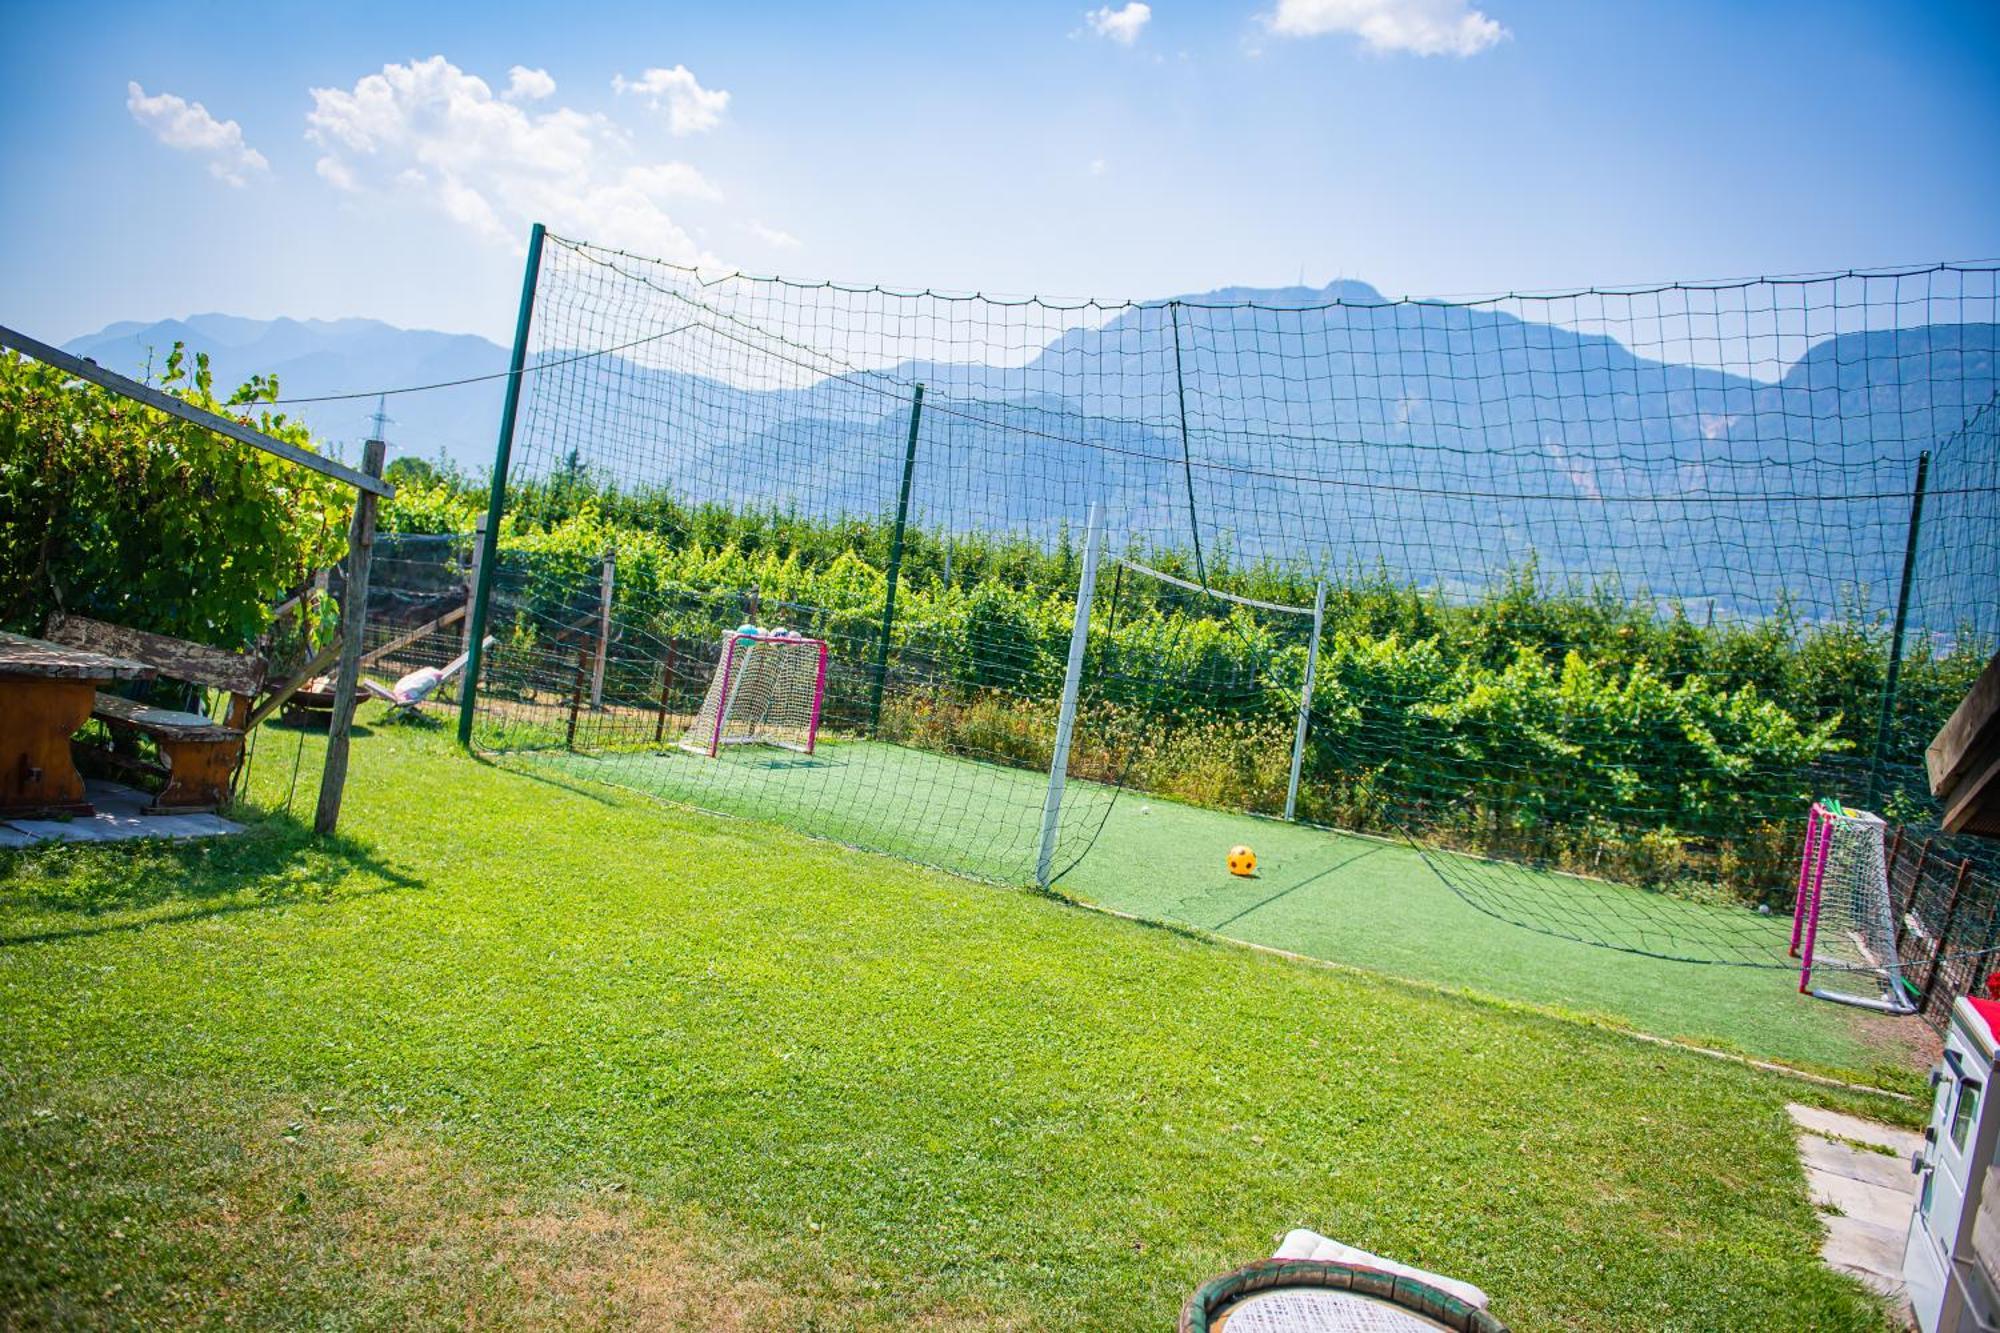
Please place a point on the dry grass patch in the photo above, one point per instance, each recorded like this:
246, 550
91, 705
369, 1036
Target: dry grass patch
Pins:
295, 1219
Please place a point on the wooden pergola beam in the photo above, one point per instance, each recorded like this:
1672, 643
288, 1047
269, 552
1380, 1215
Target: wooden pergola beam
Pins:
188, 412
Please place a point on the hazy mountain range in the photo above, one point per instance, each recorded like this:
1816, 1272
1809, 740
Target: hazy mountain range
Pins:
1441, 441
315, 357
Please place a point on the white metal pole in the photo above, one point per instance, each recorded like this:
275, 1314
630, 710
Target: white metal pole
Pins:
1305, 703
603, 631
1079, 635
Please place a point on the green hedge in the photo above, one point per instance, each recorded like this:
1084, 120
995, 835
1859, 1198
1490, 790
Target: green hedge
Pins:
1569, 725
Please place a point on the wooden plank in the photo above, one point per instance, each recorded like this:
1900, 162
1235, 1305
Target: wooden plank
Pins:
188, 412
353, 622
603, 630
1970, 737
404, 641
21, 655
167, 722
239, 673
276, 700
1974, 804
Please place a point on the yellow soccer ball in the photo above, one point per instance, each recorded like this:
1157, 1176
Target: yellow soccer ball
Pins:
1242, 861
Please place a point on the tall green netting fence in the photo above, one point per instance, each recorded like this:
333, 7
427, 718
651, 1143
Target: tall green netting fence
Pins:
1612, 578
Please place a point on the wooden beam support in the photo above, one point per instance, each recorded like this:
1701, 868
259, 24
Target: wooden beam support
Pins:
195, 416
353, 621
403, 641
1963, 762
276, 698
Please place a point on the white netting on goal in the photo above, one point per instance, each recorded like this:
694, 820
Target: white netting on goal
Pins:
1844, 927
767, 690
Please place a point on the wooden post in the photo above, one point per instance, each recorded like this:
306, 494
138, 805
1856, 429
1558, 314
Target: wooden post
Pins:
603, 629
1944, 934
576, 695
1917, 876
666, 686
472, 582
353, 621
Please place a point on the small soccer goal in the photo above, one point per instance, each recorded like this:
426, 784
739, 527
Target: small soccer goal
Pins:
1843, 920
768, 689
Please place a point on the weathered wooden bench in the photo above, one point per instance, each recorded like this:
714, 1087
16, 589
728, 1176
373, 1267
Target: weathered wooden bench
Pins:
198, 755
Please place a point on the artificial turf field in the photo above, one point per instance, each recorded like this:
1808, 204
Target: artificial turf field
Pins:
1346, 899
520, 1051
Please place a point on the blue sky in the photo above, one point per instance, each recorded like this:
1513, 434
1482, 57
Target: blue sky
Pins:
1427, 146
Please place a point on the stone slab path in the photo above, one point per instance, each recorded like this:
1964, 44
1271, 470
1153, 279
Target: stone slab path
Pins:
119, 818
1859, 1174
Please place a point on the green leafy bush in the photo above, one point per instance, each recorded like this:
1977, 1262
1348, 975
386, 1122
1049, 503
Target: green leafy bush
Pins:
122, 513
1572, 726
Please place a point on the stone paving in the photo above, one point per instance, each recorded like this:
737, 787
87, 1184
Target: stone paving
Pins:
120, 817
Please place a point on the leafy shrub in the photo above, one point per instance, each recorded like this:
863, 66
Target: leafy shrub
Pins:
125, 514
1573, 726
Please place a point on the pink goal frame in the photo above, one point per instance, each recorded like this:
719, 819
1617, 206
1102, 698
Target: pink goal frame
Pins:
729, 667
1812, 878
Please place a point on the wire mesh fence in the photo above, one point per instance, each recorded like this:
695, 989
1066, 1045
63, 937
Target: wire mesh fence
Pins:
1613, 578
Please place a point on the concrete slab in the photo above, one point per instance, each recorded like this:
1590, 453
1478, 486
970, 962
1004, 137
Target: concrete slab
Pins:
1867, 1197
1873, 1254
1860, 1201
119, 818
1834, 1125
13, 837
1842, 1159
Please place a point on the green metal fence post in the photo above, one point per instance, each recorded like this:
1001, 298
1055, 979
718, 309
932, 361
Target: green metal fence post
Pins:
1889, 682
496, 500
895, 564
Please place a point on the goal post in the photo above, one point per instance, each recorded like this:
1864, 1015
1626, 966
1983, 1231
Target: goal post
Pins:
1843, 919
1317, 611
768, 689
1305, 703
1079, 637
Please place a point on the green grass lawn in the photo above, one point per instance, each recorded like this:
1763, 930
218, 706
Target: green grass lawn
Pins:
1345, 899
520, 1050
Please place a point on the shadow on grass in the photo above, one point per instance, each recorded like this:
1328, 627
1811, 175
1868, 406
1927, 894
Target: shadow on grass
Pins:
1307, 882
529, 765
277, 863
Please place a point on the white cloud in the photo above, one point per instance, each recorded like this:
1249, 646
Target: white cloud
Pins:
528, 85
187, 126
690, 108
1421, 27
1097, 166
772, 236
1120, 25
430, 130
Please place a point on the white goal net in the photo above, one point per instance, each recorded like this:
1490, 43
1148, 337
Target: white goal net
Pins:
1844, 926
767, 689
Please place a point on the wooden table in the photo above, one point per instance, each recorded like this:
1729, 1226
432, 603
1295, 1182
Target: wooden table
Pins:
46, 693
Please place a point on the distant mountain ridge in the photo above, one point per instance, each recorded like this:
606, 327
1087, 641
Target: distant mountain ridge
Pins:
1385, 417
316, 357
